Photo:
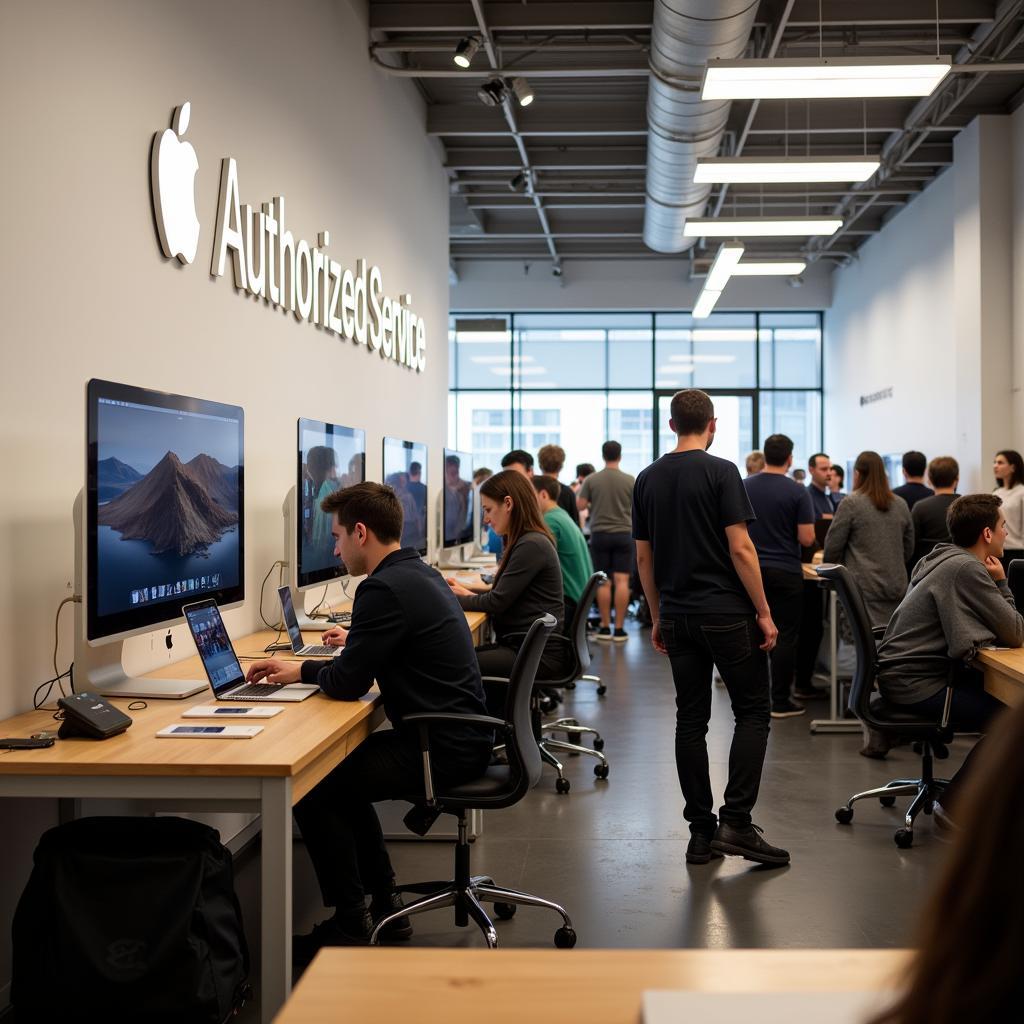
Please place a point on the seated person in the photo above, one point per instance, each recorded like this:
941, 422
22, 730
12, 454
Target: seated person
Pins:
571, 545
929, 514
958, 601
409, 634
527, 583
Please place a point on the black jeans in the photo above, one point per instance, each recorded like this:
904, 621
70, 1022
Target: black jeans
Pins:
784, 589
812, 629
696, 643
340, 826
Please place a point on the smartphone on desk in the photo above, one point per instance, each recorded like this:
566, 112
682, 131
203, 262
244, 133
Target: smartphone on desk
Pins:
25, 743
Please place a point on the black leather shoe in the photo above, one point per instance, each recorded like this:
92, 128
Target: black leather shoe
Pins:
698, 850
748, 843
352, 930
401, 927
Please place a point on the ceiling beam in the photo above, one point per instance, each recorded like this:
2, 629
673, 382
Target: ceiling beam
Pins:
891, 12
509, 16
611, 158
456, 120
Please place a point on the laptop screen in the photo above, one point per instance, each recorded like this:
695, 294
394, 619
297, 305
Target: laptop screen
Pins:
291, 623
214, 646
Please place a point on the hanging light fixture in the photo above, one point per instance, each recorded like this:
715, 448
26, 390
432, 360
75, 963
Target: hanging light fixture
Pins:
466, 51
522, 91
747, 227
730, 170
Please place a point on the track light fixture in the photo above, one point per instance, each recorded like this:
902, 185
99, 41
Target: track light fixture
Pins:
466, 51
492, 93
523, 91
519, 181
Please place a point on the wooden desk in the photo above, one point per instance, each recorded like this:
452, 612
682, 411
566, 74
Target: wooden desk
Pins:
449, 986
1004, 674
267, 775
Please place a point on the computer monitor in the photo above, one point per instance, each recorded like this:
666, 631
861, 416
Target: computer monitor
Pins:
330, 457
458, 500
405, 470
163, 519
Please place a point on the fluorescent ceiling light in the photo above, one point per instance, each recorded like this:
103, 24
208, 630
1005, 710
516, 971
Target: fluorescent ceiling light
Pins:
823, 78
769, 268
728, 170
718, 227
721, 270
705, 303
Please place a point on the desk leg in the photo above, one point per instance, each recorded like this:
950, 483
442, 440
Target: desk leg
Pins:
835, 723
275, 897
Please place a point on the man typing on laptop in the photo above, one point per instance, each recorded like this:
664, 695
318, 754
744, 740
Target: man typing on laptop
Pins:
409, 633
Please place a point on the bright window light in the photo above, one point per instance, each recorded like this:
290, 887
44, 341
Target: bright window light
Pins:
721, 270
728, 170
723, 334
738, 227
769, 268
705, 303
823, 78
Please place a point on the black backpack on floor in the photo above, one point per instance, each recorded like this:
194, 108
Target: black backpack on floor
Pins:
129, 920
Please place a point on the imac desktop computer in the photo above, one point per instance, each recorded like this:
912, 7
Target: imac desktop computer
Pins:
459, 519
329, 457
159, 524
405, 471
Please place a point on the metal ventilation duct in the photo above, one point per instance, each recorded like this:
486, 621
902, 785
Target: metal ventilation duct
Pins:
681, 127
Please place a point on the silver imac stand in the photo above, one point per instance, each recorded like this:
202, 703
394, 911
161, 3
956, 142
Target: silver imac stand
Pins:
99, 668
291, 561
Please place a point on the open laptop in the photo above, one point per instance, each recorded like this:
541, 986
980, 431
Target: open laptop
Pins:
221, 663
291, 624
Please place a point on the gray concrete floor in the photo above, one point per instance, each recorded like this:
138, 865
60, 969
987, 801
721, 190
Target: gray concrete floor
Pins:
613, 852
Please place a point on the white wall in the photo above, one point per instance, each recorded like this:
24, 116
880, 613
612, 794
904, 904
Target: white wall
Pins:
286, 90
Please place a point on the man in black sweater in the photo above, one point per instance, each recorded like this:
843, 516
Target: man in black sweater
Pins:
409, 633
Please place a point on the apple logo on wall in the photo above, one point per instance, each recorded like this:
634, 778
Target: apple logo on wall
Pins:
173, 168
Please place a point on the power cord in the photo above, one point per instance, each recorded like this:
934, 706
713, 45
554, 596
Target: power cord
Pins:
320, 603
280, 580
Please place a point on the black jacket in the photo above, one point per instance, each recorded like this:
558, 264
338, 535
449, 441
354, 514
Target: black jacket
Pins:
409, 633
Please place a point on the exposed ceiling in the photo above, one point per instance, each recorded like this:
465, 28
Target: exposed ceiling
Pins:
585, 136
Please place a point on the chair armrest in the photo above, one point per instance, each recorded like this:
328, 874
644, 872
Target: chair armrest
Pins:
441, 716
494, 679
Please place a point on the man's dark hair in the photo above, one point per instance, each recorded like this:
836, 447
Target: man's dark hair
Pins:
415, 468
813, 460
943, 471
584, 469
914, 463
517, 455
777, 449
971, 514
611, 451
839, 472
452, 460
374, 505
549, 485
691, 411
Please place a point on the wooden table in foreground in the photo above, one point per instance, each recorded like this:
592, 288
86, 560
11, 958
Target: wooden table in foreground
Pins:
267, 775
1004, 674
449, 986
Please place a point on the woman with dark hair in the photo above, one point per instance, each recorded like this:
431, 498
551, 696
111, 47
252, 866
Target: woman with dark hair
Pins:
872, 534
971, 934
1008, 468
527, 583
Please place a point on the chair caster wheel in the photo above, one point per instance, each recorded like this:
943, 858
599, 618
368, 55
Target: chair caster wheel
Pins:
598, 743
601, 771
602, 690
561, 785
570, 686
547, 705
565, 938
505, 911
904, 838
887, 801
844, 815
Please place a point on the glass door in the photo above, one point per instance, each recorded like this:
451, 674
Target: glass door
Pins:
736, 412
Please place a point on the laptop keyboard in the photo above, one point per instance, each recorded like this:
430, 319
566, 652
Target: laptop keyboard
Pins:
313, 651
257, 690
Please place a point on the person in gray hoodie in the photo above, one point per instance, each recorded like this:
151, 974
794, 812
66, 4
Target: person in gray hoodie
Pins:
958, 601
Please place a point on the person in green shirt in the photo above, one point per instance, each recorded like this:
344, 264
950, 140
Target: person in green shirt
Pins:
571, 545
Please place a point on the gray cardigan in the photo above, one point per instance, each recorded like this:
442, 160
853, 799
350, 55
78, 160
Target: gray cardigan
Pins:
875, 546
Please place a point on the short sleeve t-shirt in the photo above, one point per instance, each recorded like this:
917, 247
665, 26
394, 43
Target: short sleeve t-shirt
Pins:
610, 493
682, 505
780, 505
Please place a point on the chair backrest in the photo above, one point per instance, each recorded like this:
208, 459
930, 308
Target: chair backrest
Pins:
864, 644
578, 629
521, 746
1015, 579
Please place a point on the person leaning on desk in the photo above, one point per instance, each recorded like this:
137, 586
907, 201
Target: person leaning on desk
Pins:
409, 633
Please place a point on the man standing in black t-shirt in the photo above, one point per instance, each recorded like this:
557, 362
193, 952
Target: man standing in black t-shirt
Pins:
702, 581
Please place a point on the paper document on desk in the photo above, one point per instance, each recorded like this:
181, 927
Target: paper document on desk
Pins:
672, 1007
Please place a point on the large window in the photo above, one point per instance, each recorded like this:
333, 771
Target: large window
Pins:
524, 380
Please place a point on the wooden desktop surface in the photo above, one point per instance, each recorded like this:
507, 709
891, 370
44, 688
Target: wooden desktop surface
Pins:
1004, 674
456, 986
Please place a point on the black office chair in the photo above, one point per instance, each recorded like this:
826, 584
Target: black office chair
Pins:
892, 720
500, 786
1015, 581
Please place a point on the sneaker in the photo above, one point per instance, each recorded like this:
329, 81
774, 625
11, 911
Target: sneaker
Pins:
401, 927
351, 930
811, 693
746, 842
620, 636
604, 633
698, 850
788, 710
